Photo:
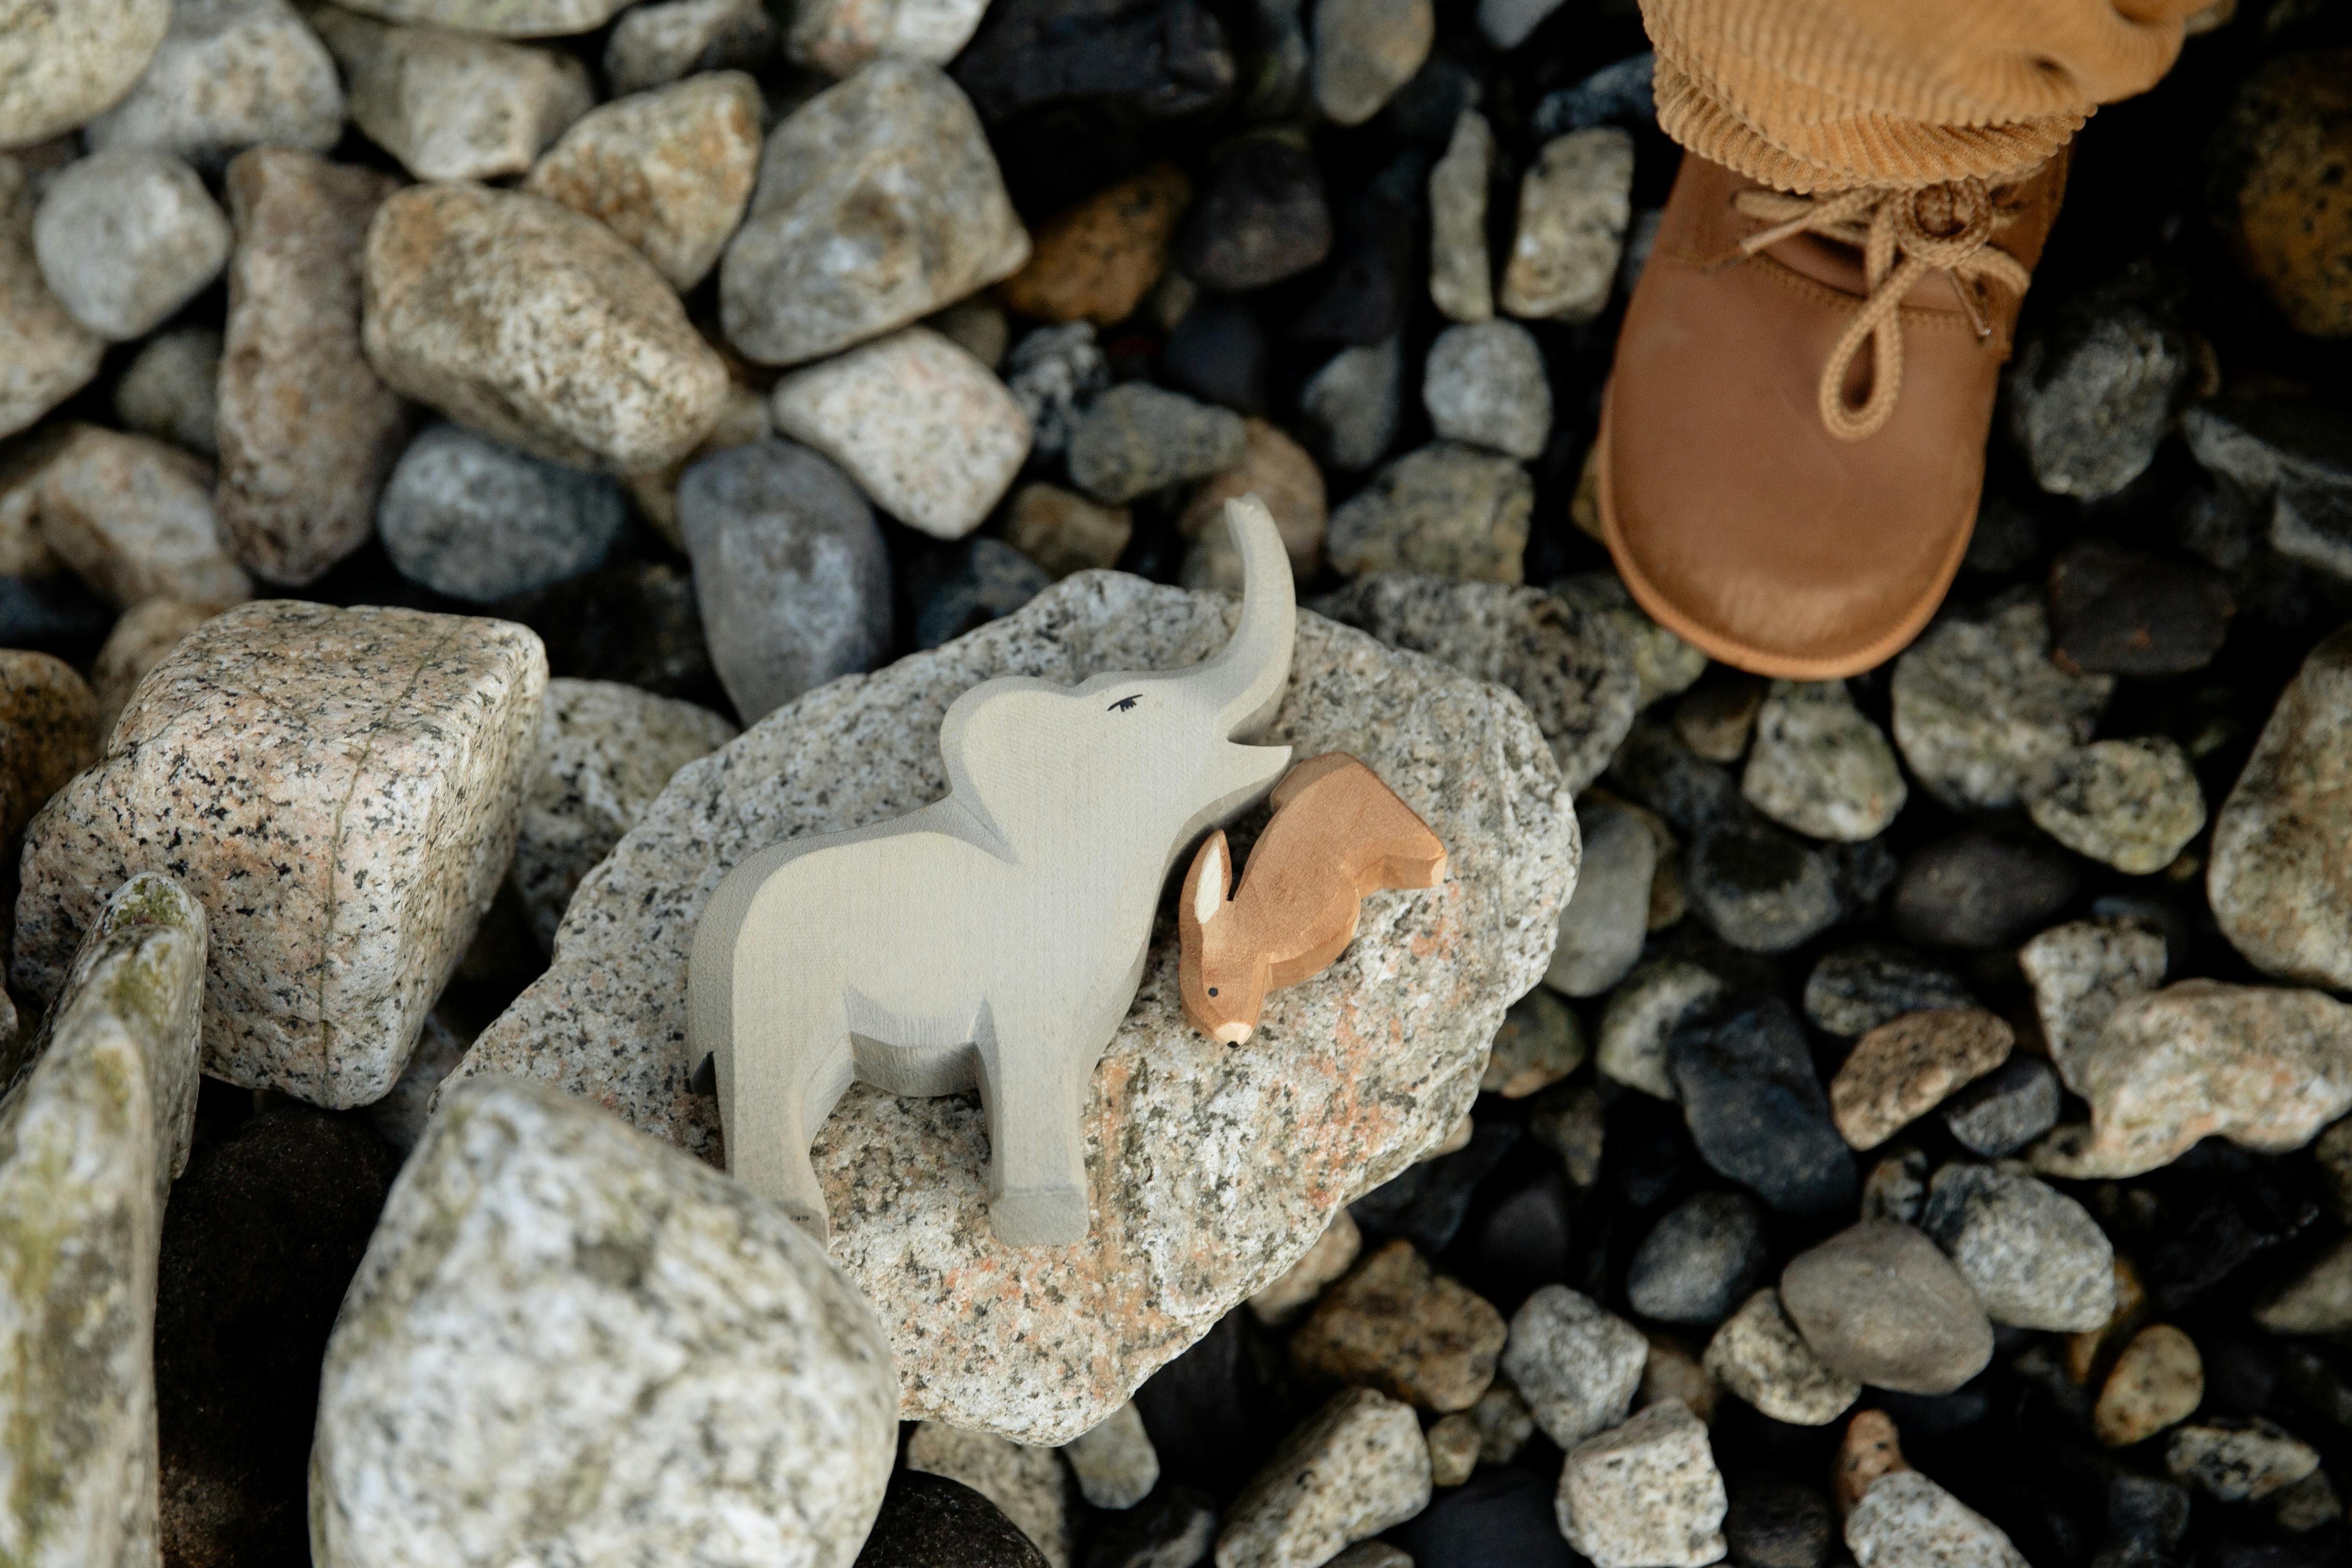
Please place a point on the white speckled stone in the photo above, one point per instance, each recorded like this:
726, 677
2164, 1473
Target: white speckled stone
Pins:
1575, 1363
537, 325
925, 430
606, 752
60, 65
1350, 1471
90, 1137
230, 74
1358, 1070
339, 788
126, 237
2239, 1459
570, 1343
1484, 384
2263, 1066
1646, 1494
1758, 1354
669, 170
878, 202
309, 433
454, 105
2132, 803
839, 36
1906, 1520
46, 356
1574, 204
1027, 1484
1983, 716
2280, 883
134, 518
2081, 973
1820, 767
2034, 1257
504, 18
1116, 1465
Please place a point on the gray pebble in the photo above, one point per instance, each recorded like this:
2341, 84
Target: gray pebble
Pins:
1539, 1044
454, 105
1575, 1364
1603, 926
60, 65
1484, 384
1761, 889
2092, 393
1447, 510
1778, 1523
1983, 716
2034, 1257
1350, 1471
170, 390
2239, 1458
1879, 1303
1055, 373
651, 44
790, 569
1115, 1463
1642, 1017
1646, 1494
1854, 990
1507, 23
2081, 973
470, 518
2006, 1110
2133, 803
126, 237
1136, 439
1820, 767
1350, 406
1699, 1261
230, 74
1906, 1520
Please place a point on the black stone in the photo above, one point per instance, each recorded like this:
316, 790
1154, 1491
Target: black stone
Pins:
1219, 353
1931, 1415
1215, 1412
261, 1238
1755, 1109
1700, 1261
2118, 612
1501, 1515
1423, 109
2315, 1384
1362, 297
1656, 768
1261, 218
1647, 1149
1429, 1202
1854, 990
2218, 1210
1616, 94
2007, 538
931, 1521
2146, 1520
1174, 1524
1977, 891
1774, 1522
986, 579
1761, 887
52, 614
636, 624
1154, 58
1525, 1240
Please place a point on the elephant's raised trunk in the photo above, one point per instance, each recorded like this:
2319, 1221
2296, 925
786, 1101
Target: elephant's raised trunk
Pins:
1248, 675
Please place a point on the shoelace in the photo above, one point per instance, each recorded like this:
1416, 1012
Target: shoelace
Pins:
1903, 235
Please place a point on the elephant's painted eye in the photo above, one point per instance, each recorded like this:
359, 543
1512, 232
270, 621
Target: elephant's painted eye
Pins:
1212, 991
1125, 704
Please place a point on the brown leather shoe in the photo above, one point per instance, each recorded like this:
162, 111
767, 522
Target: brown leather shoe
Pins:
1789, 460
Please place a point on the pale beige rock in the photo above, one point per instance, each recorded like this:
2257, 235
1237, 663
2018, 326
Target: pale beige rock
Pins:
308, 432
1645, 1494
1065, 531
1395, 1325
1278, 471
143, 634
505, 18
1026, 1484
91, 1134
1539, 1044
1365, 50
2281, 884
878, 202
1574, 205
1819, 766
361, 772
1906, 1520
1758, 1354
454, 105
48, 732
1671, 1371
2239, 1458
538, 326
570, 1343
2318, 1301
1461, 280
1903, 1068
1115, 1464
928, 434
669, 171
2264, 1067
2081, 973
2133, 803
60, 65
134, 516
127, 236
1454, 1443
605, 753
1287, 1298
839, 36
229, 74
2157, 1381
1353, 1468
1042, 1344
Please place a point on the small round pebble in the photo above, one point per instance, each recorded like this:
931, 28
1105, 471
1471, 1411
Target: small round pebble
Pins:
1855, 989
1606, 918
1903, 1068
1539, 1043
1484, 384
1642, 1017
1350, 409
1755, 1109
2007, 1108
1820, 767
127, 236
1453, 1444
2133, 803
1114, 1461
2157, 1381
1699, 1260
1978, 890
1054, 374
1365, 50
1763, 890
1575, 1364
1063, 531
1878, 1302
170, 390
470, 518
1447, 510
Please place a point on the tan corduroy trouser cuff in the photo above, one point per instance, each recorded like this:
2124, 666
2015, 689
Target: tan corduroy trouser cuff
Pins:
1824, 95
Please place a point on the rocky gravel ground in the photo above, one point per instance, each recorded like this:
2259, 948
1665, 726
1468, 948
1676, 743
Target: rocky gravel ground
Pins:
472, 470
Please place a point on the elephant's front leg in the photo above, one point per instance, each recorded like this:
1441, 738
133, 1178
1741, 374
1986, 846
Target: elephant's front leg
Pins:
1035, 1088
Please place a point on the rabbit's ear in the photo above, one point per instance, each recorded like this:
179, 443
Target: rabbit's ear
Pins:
1202, 898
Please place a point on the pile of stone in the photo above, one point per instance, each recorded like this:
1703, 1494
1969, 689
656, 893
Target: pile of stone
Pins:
473, 471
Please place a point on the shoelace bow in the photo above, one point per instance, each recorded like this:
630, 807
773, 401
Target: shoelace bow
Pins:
1903, 235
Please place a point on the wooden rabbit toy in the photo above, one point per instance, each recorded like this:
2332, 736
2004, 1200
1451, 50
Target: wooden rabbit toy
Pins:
1337, 832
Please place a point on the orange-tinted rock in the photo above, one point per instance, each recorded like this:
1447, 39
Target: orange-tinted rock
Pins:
1097, 260
2282, 191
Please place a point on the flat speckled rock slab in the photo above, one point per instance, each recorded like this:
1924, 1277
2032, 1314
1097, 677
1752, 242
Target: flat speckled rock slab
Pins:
1212, 1170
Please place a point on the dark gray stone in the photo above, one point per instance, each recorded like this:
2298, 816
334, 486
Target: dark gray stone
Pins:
476, 519
1761, 887
2006, 1110
1153, 59
2091, 392
2116, 612
1616, 94
2290, 458
931, 1521
1055, 373
1976, 890
1755, 1109
790, 569
1136, 439
1700, 1261
636, 624
1778, 1523
991, 579
1879, 1303
1261, 218
1854, 990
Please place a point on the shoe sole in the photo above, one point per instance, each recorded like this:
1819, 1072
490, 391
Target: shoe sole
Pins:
1740, 655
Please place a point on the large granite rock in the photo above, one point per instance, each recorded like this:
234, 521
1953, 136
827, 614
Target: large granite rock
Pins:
1350, 1076
568, 1344
340, 789
60, 65
90, 1137
2280, 883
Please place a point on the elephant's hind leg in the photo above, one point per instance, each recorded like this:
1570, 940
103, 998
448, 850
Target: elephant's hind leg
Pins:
1034, 1091
788, 1073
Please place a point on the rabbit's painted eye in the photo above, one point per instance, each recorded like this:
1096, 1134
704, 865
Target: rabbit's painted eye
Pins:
1212, 991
